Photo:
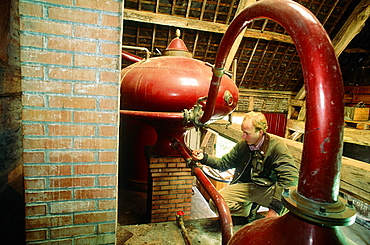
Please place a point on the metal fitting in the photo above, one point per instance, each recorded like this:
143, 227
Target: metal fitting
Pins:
327, 214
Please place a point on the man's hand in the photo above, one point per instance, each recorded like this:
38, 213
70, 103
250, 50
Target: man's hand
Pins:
197, 154
271, 213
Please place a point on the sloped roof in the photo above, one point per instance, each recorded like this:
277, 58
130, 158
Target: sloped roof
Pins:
266, 56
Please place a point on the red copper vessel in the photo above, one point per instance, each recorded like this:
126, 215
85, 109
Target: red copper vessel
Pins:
169, 92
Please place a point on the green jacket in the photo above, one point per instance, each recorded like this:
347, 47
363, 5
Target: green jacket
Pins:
272, 164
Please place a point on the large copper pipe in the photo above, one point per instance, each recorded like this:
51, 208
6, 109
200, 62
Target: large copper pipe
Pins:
315, 208
226, 222
319, 175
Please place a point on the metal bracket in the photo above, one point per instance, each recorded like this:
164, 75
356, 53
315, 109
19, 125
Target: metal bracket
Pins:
194, 114
325, 214
219, 71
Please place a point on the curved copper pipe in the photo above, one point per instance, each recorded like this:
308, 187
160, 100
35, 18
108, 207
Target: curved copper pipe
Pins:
320, 167
130, 57
226, 222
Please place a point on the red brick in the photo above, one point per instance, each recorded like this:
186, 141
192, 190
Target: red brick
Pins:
33, 129
96, 89
94, 217
95, 169
107, 76
32, 41
184, 205
50, 221
60, 2
72, 182
67, 241
32, 100
36, 210
45, 115
107, 156
109, 104
72, 102
94, 143
108, 48
95, 117
33, 157
96, 61
107, 204
42, 143
96, 239
36, 235
73, 15
108, 131
107, 181
46, 57
157, 165
46, 196
61, 156
72, 231
110, 20
72, 74
107, 5
71, 45
34, 184
95, 193
30, 9
72, 206
71, 130
105, 228
46, 170
44, 86
45, 26
160, 183
97, 33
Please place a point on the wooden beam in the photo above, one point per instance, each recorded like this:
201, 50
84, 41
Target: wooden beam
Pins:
352, 27
351, 135
180, 22
349, 30
355, 175
242, 5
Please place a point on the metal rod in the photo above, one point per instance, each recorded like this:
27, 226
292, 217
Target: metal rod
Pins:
130, 57
153, 114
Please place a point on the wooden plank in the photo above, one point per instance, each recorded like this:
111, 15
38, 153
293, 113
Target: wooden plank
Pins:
355, 175
180, 22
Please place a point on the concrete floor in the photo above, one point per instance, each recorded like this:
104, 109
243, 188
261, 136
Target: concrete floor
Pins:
202, 228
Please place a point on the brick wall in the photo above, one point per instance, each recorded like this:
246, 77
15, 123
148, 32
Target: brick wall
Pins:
70, 57
170, 188
263, 104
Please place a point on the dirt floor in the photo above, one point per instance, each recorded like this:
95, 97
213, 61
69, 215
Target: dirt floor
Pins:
202, 228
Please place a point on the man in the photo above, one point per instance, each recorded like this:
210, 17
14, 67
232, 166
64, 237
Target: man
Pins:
263, 168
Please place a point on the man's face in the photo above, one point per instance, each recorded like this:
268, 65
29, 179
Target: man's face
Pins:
249, 133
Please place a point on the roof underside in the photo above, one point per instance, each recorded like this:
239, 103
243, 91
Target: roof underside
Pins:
266, 57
